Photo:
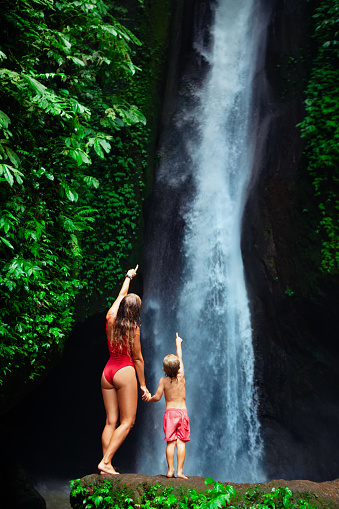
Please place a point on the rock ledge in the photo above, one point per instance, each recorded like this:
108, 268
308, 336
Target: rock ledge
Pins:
327, 491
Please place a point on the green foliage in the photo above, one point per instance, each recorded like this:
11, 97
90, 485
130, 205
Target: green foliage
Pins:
118, 211
62, 107
125, 176
278, 498
100, 496
320, 129
217, 497
111, 495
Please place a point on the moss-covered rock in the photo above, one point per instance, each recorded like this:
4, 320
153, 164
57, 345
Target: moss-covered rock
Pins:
132, 489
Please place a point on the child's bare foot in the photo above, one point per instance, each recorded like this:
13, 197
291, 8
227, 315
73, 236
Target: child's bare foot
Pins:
180, 475
170, 473
106, 469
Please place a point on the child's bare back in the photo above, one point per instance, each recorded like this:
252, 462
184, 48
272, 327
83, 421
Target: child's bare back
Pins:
174, 390
173, 387
173, 384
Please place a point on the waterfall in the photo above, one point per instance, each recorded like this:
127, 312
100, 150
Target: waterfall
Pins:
194, 277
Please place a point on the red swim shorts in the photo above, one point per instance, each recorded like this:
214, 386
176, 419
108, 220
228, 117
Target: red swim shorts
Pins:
176, 424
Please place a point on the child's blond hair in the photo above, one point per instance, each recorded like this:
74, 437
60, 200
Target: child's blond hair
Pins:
171, 365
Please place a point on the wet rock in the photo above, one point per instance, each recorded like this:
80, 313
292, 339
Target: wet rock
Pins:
136, 483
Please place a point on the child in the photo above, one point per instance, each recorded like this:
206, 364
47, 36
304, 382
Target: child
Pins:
176, 422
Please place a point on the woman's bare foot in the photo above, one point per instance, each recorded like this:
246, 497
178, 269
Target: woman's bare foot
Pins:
106, 469
180, 475
170, 473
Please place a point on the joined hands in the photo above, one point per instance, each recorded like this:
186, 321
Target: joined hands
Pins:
145, 393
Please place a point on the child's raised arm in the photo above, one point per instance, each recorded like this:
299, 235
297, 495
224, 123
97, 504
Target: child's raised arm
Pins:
178, 342
158, 395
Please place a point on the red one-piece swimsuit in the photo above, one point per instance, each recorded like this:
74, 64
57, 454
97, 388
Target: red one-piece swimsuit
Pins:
118, 359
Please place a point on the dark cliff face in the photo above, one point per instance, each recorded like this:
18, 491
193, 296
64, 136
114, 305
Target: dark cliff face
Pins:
294, 307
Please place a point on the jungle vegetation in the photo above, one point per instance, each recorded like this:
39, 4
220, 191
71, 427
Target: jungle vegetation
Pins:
66, 80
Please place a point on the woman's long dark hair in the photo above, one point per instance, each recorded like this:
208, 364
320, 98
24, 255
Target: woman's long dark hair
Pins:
125, 324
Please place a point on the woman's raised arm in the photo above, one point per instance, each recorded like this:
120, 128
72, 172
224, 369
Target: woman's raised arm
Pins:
113, 310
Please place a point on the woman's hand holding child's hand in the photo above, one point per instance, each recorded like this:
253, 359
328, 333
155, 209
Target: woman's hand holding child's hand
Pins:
145, 393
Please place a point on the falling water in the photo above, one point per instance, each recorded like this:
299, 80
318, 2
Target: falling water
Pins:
194, 273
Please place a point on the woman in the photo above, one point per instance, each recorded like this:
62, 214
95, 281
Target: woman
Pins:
118, 380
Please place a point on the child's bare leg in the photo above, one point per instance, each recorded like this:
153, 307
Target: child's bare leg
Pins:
181, 453
170, 448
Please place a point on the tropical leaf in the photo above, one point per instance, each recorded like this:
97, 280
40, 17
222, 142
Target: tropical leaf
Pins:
71, 194
35, 84
14, 158
98, 149
5, 241
77, 61
4, 119
91, 181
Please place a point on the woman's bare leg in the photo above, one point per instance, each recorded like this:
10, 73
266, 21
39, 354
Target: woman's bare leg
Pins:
125, 383
110, 398
170, 448
181, 453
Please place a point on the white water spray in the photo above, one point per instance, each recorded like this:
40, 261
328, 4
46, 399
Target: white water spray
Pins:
212, 312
